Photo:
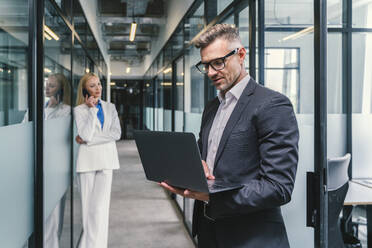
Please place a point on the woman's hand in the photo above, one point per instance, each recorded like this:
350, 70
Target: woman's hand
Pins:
79, 140
53, 101
91, 101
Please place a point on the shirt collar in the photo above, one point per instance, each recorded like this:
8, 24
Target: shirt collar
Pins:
237, 90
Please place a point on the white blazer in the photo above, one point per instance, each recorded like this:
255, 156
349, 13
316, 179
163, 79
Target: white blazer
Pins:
100, 152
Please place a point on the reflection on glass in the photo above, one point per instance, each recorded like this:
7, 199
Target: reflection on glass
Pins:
222, 4
334, 13
178, 98
194, 24
362, 13
166, 87
58, 95
149, 105
244, 30
79, 65
289, 69
13, 62
362, 104
17, 167
361, 69
57, 92
57, 129
283, 13
334, 74
282, 72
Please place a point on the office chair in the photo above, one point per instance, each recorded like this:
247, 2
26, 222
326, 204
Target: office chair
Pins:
338, 184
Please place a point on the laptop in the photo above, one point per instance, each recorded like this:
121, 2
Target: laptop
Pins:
174, 158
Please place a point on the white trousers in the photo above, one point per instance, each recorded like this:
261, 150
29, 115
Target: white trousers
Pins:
54, 224
95, 188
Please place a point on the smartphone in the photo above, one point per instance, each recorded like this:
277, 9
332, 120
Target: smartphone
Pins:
85, 93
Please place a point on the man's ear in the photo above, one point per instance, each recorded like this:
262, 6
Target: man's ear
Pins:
242, 53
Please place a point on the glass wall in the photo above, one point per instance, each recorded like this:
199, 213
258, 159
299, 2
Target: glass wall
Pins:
289, 69
16, 126
19, 92
57, 129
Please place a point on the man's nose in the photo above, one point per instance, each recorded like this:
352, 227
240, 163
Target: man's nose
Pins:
211, 72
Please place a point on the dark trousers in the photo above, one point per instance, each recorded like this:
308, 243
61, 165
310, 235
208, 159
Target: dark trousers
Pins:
206, 233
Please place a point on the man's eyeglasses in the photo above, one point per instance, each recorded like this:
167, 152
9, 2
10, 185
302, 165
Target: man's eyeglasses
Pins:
217, 64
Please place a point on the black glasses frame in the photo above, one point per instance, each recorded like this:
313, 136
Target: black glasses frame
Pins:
209, 63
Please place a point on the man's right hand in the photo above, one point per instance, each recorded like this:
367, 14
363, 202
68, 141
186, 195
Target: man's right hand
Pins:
208, 175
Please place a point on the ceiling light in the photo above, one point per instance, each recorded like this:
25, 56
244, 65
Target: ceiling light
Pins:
128, 70
299, 34
112, 83
133, 28
131, 46
50, 32
47, 36
87, 70
47, 70
169, 69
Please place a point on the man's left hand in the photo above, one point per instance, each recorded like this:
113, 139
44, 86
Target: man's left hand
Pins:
186, 193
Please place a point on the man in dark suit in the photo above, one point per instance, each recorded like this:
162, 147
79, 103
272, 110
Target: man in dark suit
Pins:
248, 135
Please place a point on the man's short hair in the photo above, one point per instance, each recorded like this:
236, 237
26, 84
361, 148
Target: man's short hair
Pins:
218, 31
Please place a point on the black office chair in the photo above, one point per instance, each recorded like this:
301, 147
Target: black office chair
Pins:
338, 184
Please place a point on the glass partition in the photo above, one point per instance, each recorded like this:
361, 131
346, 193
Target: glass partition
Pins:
16, 126
289, 69
57, 129
193, 90
14, 98
362, 14
78, 71
361, 104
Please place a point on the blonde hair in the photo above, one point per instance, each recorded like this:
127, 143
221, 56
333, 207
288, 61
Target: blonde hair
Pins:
64, 85
219, 31
82, 85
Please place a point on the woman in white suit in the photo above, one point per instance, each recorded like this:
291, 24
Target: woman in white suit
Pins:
98, 128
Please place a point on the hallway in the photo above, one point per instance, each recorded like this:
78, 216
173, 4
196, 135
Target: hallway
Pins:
141, 213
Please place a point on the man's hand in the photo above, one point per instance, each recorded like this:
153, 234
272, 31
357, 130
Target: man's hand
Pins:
208, 175
79, 140
186, 193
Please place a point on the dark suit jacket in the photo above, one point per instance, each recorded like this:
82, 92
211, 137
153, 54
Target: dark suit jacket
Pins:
259, 149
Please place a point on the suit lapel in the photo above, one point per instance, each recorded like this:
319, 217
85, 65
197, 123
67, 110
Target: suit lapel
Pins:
208, 125
235, 116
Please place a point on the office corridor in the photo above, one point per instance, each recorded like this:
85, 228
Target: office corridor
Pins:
141, 214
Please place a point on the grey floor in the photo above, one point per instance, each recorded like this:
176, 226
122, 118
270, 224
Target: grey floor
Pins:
141, 213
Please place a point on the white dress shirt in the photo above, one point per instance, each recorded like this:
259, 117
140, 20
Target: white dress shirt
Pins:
227, 105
